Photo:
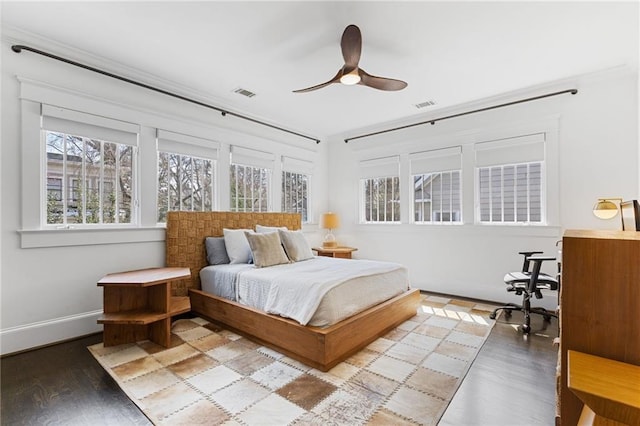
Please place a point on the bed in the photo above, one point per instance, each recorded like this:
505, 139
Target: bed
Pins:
316, 346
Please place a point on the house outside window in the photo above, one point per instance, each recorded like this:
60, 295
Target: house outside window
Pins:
90, 170
510, 193
437, 197
107, 170
437, 185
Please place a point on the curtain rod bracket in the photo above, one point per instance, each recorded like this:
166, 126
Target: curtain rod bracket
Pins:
20, 47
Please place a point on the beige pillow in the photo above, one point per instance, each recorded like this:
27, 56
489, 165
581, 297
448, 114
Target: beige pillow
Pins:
267, 249
296, 245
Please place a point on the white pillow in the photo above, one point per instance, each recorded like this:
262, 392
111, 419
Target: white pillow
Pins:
237, 245
295, 245
266, 229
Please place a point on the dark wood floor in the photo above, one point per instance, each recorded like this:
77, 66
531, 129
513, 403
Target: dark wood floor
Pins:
511, 382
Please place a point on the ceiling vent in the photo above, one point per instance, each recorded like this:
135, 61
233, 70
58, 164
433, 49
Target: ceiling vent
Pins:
425, 104
244, 92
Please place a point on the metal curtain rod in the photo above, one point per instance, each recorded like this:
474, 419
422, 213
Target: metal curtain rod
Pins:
433, 120
19, 48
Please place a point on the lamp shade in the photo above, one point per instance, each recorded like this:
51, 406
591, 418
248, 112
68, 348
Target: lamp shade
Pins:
605, 209
329, 221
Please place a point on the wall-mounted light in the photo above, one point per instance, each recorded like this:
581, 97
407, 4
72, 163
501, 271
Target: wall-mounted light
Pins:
606, 209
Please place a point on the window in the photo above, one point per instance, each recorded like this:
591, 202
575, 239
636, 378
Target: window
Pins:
511, 193
380, 190
249, 188
436, 178
89, 181
90, 168
296, 175
184, 183
436, 197
510, 180
186, 173
382, 199
295, 194
250, 180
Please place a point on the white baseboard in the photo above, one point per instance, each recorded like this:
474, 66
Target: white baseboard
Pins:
20, 338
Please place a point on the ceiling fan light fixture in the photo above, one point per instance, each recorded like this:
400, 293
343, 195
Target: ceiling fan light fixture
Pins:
350, 78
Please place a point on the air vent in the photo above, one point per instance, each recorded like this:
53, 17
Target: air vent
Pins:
425, 104
244, 92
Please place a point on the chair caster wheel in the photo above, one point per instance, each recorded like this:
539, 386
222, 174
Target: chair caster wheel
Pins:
507, 313
547, 318
525, 328
492, 315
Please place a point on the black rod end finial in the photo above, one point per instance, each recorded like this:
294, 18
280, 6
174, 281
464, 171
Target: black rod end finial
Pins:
317, 141
346, 141
433, 123
16, 48
574, 91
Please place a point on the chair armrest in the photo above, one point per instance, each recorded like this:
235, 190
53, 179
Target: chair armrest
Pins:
529, 253
541, 258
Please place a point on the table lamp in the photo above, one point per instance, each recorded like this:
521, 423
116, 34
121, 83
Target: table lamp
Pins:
329, 221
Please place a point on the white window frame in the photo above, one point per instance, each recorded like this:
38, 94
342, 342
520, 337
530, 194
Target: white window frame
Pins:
507, 152
67, 121
301, 168
437, 162
376, 169
192, 147
260, 161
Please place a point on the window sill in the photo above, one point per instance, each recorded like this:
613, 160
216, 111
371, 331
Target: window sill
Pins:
37, 238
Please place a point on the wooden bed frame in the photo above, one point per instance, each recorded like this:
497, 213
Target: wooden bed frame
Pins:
321, 348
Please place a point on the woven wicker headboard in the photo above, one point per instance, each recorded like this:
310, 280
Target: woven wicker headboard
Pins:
186, 233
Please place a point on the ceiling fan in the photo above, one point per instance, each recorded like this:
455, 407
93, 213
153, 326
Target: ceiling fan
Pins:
350, 73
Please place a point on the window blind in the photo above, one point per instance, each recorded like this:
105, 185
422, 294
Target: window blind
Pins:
436, 160
192, 146
380, 167
296, 165
252, 157
57, 119
520, 149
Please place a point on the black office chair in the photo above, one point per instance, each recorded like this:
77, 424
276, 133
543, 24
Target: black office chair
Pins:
529, 283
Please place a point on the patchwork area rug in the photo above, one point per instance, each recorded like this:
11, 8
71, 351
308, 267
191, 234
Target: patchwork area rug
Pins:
213, 376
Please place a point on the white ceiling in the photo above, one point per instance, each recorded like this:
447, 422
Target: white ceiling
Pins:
449, 52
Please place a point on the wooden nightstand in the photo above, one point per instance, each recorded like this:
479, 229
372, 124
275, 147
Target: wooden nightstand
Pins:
138, 305
341, 252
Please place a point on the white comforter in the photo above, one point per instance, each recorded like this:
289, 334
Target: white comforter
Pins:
295, 290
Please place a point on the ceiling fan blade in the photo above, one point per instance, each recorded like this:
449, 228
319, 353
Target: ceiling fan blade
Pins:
335, 79
380, 83
351, 45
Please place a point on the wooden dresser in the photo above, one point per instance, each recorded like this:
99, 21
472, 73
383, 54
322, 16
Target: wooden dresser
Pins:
600, 303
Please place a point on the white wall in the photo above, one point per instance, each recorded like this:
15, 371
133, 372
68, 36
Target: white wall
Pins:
597, 146
50, 294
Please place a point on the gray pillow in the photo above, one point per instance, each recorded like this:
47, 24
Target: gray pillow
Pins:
295, 245
216, 251
266, 249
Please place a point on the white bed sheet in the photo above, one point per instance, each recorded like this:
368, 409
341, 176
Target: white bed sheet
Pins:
252, 287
